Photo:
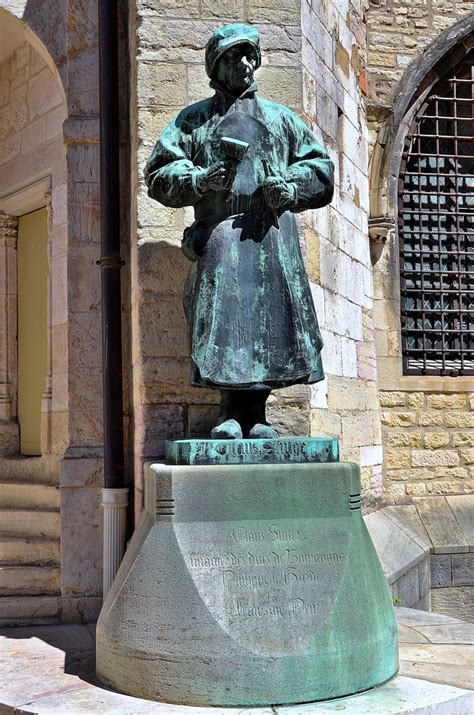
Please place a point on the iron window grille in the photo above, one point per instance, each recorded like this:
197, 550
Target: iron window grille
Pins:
435, 226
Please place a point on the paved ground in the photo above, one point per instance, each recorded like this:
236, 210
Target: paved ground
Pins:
49, 670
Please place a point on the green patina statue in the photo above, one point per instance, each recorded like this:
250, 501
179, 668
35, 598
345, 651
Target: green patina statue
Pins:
246, 165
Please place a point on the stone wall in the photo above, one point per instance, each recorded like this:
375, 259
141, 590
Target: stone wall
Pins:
313, 61
429, 440
334, 84
425, 420
398, 31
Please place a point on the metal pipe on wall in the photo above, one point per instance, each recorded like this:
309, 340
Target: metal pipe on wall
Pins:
114, 494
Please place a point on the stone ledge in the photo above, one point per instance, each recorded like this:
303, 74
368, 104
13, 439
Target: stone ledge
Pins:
435, 675
427, 545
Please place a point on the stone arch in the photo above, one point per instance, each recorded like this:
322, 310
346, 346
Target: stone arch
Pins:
33, 159
20, 16
445, 51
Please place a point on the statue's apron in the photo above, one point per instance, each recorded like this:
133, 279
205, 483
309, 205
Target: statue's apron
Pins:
248, 301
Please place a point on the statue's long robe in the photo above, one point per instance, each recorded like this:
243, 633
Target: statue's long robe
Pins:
248, 301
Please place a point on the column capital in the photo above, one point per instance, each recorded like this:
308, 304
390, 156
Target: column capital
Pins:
8, 229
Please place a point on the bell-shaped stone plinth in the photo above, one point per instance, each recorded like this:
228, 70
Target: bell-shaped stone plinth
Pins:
248, 585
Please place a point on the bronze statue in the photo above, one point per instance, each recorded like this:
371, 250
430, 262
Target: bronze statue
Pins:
247, 165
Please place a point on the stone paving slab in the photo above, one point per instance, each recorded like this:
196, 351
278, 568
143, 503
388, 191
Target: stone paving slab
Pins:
48, 670
401, 695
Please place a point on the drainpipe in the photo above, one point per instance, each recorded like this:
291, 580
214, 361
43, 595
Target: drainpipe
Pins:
114, 494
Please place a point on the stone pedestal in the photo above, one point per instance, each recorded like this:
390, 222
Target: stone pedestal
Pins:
248, 585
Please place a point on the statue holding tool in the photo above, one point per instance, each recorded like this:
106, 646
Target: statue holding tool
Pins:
247, 165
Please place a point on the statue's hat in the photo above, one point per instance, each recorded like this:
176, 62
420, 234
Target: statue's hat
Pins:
229, 36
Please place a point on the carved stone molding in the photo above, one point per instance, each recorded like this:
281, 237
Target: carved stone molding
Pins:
8, 230
381, 230
8, 243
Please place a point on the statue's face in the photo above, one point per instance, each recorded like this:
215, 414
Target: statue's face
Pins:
236, 67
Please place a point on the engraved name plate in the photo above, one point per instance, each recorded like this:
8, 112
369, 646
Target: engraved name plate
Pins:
252, 451
271, 584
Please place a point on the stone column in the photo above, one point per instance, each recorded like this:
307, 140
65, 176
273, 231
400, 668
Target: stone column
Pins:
9, 435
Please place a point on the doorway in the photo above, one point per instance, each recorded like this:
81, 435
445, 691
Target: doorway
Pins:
32, 326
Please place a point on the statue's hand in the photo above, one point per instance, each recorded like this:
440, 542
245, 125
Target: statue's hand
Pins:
277, 192
218, 176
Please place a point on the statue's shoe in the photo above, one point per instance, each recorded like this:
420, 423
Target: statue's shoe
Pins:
261, 431
230, 429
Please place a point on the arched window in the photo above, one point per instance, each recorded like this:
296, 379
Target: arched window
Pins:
436, 230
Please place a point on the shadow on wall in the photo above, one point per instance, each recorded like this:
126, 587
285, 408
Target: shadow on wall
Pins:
171, 407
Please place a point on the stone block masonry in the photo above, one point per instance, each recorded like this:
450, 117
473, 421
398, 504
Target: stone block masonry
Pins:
428, 439
398, 31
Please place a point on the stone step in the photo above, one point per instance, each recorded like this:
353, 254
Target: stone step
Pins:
29, 522
43, 551
29, 580
29, 610
36, 470
25, 495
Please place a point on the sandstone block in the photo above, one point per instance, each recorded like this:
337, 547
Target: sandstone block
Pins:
371, 455
412, 475
459, 419
312, 256
449, 472
186, 8
436, 440
358, 430
81, 559
161, 84
403, 439
427, 458
44, 93
278, 12
395, 491
416, 490
397, 459
427, 419
463, 439
449, 401
326, 424
282, 84
381, 59
398, 475
346, 394
392, 399
467, 456
228, 9
440, 488
398, 419
415, 400
342, 59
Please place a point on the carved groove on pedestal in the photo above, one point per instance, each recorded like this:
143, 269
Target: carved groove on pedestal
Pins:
164, 507
354, 501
